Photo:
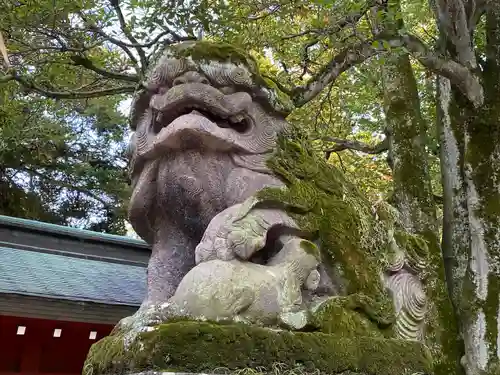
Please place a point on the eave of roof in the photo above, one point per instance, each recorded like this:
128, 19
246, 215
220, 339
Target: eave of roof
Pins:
32, 225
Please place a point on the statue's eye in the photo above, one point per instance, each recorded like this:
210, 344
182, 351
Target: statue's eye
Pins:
190, 77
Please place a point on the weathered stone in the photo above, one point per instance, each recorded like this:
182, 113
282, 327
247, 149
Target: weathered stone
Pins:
245, 291
248, 225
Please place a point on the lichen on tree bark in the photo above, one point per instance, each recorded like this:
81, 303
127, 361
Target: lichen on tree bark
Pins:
412, 192
470, 169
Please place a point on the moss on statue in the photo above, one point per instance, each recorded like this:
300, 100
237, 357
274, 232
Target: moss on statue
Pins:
187, 346
414, 246
338, 315
206, 51
278, 96
105, 355
325, 204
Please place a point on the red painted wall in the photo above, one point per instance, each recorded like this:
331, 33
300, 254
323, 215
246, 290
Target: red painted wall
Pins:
38, 352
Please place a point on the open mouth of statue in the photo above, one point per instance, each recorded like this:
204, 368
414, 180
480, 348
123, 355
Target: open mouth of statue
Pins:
199, 116
240, 123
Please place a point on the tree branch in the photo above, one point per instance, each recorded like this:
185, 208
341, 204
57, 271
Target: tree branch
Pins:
474, 10
278, 84
453, 22
351, 56
3, 51
350, 19
67, 186
359, 52
123, 26
272, 9
347, 144
177, 38
459, 75
29, 85
63, 48
88, 64
109, 38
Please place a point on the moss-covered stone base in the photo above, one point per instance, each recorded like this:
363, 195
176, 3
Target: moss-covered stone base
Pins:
347, 315
188, 346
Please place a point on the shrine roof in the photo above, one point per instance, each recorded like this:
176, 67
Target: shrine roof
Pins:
60, 230
70, 277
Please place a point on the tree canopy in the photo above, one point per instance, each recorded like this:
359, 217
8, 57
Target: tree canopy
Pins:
72, 65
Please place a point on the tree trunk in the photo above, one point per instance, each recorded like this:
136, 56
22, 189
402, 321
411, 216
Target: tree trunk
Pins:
413, 196
470, 161
480, 303
414, 199
455, 241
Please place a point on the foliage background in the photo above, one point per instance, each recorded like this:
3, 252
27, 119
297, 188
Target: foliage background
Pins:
63, 159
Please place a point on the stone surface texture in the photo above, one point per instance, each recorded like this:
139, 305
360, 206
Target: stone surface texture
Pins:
203, 132
248, 226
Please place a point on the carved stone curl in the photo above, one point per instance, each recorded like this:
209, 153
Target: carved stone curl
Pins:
402, 278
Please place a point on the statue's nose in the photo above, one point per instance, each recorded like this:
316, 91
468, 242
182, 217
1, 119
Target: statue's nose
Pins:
190, 77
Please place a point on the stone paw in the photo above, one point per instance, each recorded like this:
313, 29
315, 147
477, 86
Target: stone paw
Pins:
144, 320
240, 231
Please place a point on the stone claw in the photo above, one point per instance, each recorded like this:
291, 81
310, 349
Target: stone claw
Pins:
312, 281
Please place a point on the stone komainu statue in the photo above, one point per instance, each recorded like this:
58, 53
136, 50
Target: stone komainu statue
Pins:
254, 236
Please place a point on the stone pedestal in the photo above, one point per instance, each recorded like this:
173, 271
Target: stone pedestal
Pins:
204, 347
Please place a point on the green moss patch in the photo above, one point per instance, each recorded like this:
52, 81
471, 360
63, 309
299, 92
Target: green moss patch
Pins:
206, 51
324, 203
203, 346
414, 246
350, 316
339, 316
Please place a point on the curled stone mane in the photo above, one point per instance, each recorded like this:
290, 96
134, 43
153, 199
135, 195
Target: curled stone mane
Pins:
224, 64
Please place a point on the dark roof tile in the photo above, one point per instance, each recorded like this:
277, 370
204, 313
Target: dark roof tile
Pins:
64, 277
